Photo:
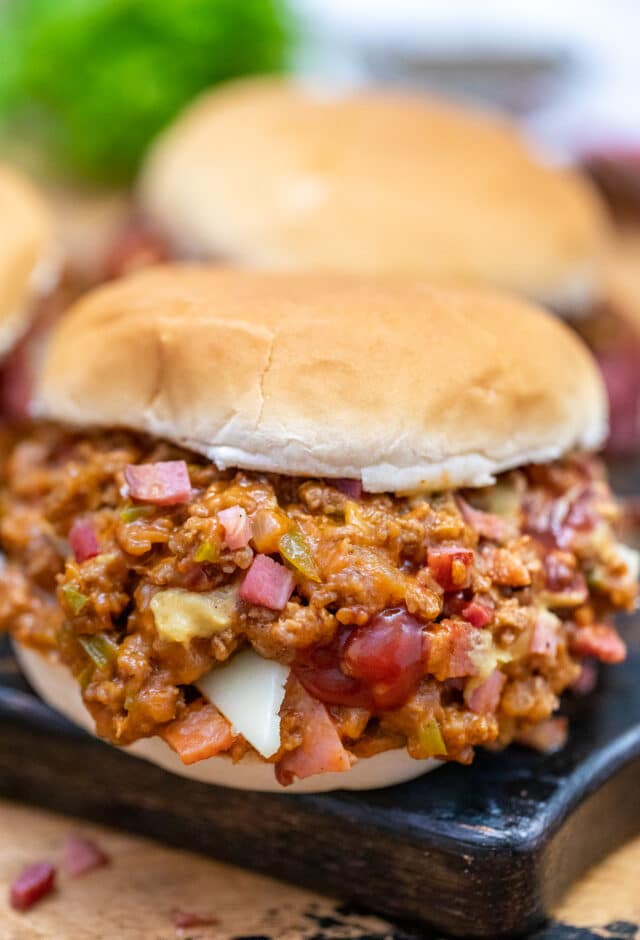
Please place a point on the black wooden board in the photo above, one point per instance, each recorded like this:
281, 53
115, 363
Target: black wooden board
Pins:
480, 851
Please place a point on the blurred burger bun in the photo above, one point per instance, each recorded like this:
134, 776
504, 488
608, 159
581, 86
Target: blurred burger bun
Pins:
28, 260
267, 173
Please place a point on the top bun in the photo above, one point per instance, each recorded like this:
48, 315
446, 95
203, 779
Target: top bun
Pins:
27, 266
403, 384
270, 174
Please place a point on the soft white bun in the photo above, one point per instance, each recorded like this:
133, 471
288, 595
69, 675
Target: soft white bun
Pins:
405, 385
28, 267
57, 687
271, 174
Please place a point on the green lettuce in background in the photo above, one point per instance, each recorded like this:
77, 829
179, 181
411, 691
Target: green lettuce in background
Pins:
92, 81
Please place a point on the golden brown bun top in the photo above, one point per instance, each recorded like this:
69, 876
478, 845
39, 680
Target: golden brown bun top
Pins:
27, 268
401, 383
270, 174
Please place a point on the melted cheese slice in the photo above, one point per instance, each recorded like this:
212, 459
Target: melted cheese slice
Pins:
249, 691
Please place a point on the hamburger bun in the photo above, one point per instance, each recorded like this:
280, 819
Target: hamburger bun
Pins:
403, 384
28, 267
271, 174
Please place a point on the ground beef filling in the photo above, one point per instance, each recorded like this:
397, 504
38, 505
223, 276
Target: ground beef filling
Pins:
436, 623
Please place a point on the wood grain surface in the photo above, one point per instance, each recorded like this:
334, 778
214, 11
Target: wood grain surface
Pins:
136, 895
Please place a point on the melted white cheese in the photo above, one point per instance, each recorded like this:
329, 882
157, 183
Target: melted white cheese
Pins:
249, 691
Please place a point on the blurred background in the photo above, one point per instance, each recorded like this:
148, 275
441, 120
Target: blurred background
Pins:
85, 85
90, 82
567, 70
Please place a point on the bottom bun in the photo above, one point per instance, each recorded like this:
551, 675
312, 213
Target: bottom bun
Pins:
56, 686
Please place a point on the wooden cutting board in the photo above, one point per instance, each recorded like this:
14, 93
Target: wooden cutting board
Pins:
133, 898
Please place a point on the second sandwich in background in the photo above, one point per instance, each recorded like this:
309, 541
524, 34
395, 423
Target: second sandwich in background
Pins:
266, 173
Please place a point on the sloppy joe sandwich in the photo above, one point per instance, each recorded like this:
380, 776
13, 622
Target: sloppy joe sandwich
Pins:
369, 181
318, 531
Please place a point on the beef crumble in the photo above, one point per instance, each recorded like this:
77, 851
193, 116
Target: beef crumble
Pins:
437, 623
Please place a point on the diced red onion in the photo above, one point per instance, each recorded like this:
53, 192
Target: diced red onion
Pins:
448, 650
599, 640
82, 855
461, 663
479, 613
548, 736
201, 732
165, 483
267, 584
556, 521
451, 566
562, 577
582, 514
195, 578
83, 540
484, 699
31, 885
544, 639
321, 750
237, 527
588, 678
350, 488
486, 524
184, 919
